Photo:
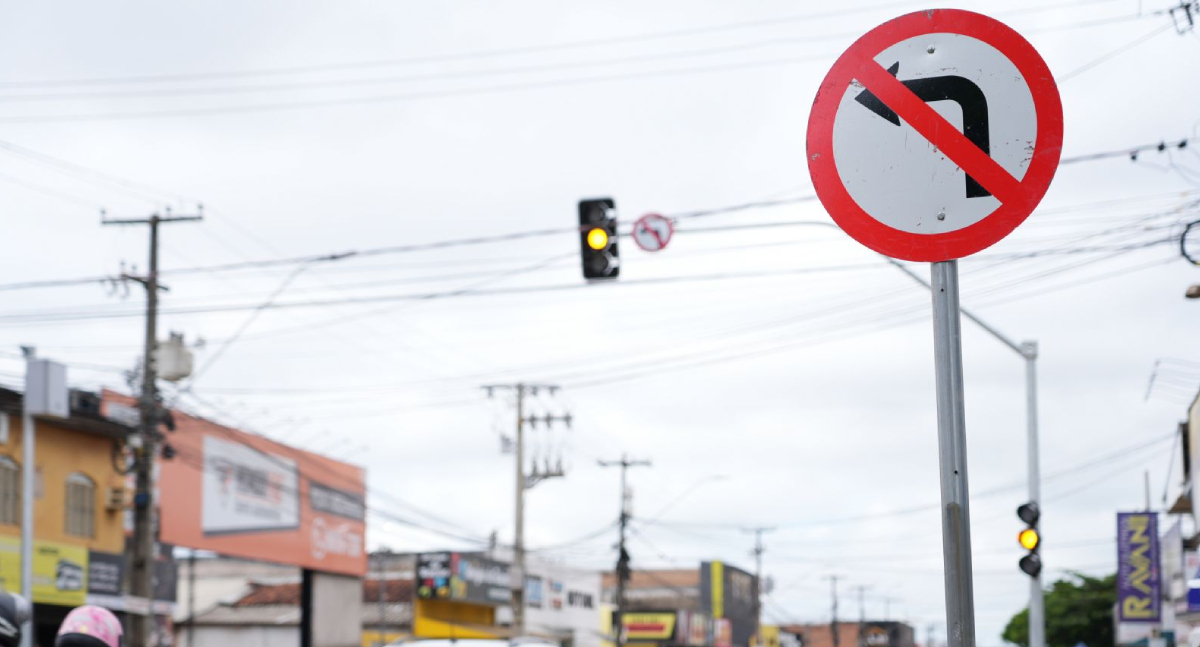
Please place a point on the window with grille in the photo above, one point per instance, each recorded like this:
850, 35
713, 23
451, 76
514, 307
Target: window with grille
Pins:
10, 492
81, 506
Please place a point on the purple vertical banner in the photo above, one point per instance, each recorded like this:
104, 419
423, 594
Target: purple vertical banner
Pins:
1139, 584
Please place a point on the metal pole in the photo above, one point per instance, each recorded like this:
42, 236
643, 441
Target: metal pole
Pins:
518, 591
306, 607
28, 472
1037, 609
191, 614
833, 625
382, 604
622, 569
1147, 490
952, 451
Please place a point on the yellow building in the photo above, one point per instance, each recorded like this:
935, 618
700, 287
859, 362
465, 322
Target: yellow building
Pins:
79, 501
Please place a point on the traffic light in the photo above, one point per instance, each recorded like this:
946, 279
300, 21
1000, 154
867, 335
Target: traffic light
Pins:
598, 239
1030, 539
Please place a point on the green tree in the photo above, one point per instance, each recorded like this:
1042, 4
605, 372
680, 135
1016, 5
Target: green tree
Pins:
1078, 609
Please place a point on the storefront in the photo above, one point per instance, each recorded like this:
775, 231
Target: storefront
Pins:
457, 595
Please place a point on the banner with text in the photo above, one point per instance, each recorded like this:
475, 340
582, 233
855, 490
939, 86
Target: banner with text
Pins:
1139, 582
242, 495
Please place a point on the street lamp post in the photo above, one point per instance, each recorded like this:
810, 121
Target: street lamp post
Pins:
1029, 352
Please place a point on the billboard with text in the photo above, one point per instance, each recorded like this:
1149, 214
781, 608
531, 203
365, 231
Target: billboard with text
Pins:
244, 495
1139, 584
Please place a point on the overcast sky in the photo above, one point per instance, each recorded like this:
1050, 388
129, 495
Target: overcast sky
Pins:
310, 128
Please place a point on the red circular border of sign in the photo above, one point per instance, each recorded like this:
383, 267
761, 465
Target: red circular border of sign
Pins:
670, 231
966, 241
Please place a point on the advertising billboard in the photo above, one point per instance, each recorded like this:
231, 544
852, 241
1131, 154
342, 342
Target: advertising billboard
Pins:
649, 626
728, 592
1139, 585
242, 495
59, 571
466, 577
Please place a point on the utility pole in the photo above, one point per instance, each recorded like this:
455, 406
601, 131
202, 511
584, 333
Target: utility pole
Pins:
758, 577
862, 612
525, 482
382, 595
142, 568
833, 624
623, 570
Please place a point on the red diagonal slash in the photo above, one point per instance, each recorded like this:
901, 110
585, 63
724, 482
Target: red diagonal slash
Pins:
941, 133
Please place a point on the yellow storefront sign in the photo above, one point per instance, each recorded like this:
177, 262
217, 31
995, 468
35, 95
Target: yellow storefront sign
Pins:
59, 571
649, 626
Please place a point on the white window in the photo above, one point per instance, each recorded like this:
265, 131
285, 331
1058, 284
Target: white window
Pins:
10, 491
81, 506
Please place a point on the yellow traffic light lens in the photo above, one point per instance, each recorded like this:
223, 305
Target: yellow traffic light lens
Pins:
597, 239
1028, 538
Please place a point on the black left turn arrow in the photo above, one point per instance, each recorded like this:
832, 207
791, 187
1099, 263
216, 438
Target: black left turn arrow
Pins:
944, 88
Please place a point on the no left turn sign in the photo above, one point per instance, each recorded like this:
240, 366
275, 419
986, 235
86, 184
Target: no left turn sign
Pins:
935, 135
652, 232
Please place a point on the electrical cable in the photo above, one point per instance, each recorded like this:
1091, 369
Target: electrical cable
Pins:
1116, 52
512, 51
474, 91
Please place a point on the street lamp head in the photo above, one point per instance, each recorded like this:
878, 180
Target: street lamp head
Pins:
1193, 291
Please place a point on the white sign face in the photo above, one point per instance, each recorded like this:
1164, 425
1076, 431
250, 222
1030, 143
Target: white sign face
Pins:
881, 157
652, 232
246, 490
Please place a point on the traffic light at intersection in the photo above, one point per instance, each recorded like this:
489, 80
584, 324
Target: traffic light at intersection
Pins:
598, 239
1030, 539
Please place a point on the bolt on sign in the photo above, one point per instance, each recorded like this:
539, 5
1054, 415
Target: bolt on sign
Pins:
1139, 585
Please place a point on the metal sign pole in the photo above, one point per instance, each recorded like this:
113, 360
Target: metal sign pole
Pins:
952, 451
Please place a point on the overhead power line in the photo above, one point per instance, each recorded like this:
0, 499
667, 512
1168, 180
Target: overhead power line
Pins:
1114, 53
504, 52
499, 238
455, 92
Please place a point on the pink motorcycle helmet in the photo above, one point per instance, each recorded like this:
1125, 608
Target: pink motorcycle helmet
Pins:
89, 626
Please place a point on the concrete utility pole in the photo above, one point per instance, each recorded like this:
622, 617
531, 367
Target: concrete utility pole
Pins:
862, 611
833, 623
525, 482
623, 570
142, 568
758, 576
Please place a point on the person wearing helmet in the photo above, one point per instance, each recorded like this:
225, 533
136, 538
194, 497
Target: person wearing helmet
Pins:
14, 612
89, 626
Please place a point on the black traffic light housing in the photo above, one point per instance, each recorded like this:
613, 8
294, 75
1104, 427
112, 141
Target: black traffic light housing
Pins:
598, 239
1030, 539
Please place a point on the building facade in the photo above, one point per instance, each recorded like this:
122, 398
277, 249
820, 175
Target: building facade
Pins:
710, 606
468, 595
79, 514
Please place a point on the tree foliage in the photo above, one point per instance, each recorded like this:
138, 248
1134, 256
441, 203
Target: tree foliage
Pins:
1078, 609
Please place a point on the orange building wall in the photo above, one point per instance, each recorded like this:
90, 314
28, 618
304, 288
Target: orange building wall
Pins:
59, 452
